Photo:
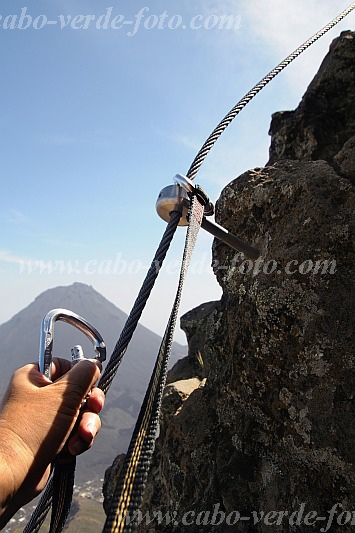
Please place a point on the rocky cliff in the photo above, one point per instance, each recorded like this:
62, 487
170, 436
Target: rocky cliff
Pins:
323, 125
258, 422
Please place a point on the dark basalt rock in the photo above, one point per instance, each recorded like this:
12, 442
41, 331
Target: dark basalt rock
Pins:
271, 428
325, 118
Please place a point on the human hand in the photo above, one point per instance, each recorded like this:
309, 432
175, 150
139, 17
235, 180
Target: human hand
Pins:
37, 418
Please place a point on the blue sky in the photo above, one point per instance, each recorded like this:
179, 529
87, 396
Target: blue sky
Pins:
95, 122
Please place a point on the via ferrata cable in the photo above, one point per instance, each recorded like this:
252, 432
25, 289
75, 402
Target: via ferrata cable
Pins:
159, 373
217, 132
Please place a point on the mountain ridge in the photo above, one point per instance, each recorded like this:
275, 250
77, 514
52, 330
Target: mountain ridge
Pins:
19, 342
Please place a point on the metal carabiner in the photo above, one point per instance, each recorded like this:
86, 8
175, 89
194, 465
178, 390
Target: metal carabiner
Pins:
47, 334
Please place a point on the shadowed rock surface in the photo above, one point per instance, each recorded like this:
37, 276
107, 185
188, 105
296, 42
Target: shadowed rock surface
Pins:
325, 119
271, 427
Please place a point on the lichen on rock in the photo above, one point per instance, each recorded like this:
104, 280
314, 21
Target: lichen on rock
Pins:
268, 423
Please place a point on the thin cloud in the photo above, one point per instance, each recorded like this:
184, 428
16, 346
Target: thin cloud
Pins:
182, 139
104, 139
279, 26
13, 216
188, 142
271, 30
286, 23
60, 242
8, 257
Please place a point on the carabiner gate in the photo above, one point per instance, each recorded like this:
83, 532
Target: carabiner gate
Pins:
47, 334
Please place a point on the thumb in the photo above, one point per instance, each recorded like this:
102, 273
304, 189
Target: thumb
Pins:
80, 379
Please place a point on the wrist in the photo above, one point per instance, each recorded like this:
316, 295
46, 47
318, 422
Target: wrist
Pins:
7, 488
12, 472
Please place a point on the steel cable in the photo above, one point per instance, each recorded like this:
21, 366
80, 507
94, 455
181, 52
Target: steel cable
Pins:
129, 489
217, 132
137, 309
41, 511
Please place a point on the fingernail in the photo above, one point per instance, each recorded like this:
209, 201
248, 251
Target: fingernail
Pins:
101, 401
91, 429
96, 362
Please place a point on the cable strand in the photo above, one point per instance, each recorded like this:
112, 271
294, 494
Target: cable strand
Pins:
217, 132
136, 312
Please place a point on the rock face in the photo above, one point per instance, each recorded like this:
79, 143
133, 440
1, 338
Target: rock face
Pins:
325, 118
266, 431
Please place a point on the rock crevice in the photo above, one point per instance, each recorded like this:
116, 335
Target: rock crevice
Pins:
259, 417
